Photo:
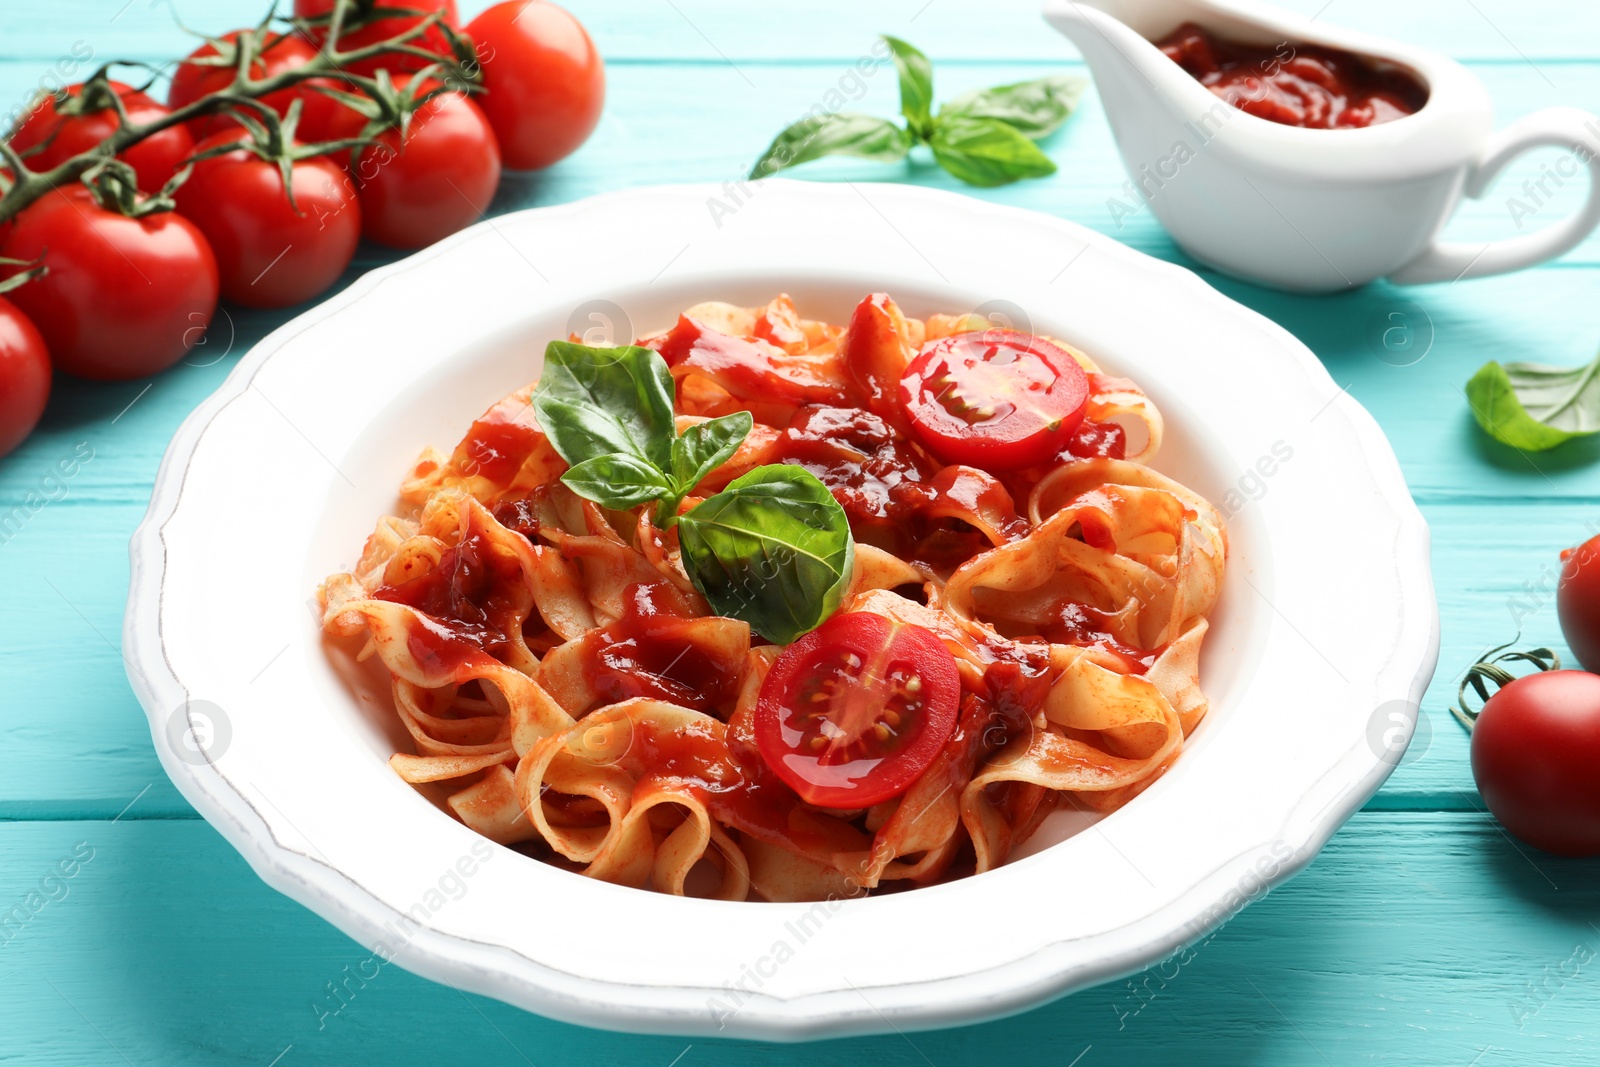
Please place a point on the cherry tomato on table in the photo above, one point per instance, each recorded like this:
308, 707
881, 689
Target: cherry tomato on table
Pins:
853, 712
123, 297
155, 159
1535, 750
281, 52
24, 376
384, 29
996, 399
1578, 602
436, 181
271, 253
546, 82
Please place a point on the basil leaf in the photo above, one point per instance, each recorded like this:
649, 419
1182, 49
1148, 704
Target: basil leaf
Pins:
1534, 407
617, 481
916, 84
986, 152
842, 134
773, 549
704, 446
603, 401
1033, 108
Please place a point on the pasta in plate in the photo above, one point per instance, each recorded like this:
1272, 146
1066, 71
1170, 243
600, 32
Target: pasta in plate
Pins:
566, 682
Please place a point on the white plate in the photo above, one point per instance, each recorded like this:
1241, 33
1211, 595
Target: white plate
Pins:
1326, 635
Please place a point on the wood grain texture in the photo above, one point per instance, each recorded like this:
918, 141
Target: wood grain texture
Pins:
1421, 935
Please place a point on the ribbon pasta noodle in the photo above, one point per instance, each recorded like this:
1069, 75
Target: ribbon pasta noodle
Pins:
569, 692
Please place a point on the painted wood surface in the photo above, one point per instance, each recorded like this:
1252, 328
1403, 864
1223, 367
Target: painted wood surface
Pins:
1422, 935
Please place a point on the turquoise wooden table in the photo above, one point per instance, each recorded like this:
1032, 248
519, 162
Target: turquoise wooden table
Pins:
1421, 935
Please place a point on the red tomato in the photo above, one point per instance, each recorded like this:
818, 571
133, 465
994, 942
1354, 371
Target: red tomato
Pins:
853, 712
1578, 602
271, 253
438, 181
24, 376
123, 297
383, 29
1535, 749
997, 399
545, 81
282, 52
155, 159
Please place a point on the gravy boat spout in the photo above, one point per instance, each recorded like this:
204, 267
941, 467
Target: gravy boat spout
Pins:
1312, 210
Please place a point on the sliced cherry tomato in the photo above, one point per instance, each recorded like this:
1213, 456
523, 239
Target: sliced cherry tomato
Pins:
123, 297
853, 712
1535, 749
440, 179
24, 376
383, 29
996, 399
281, 52
155, 159
546, 82
1578, 602
271, 253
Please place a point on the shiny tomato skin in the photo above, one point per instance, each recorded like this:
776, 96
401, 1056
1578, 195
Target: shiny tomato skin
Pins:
271, 253
386, 28
959, 392
440, 180
545, 81
155, 159
283, 52
855, 711
24, 376
1578, 602
1535, 751
123, 298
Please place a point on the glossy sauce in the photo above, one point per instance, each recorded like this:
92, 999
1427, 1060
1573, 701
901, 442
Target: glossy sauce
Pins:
463, 610
1296, 85
644, 654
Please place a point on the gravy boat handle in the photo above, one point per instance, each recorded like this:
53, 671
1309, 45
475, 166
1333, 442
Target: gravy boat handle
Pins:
1558, 127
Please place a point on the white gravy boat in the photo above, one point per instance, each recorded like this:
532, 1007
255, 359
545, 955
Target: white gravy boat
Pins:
1306, 209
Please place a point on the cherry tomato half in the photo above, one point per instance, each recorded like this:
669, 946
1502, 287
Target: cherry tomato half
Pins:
385, 28
24, 376
271, 253
1578, 602
155, 159
123, 297
436, 181
996, 399
281, 52
546, 82
1534, 752
853, 712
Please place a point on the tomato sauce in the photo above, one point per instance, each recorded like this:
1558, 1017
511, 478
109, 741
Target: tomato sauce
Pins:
463, 610
645, 654
1296, 85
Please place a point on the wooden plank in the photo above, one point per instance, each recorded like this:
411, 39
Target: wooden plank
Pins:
1414, 938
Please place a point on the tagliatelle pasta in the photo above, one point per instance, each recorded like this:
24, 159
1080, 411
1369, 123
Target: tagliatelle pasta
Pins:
566, 684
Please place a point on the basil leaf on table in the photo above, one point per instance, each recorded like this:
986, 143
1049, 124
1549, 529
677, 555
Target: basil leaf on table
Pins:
841, 134
618, 481
1534, 407
603, 401
704, 447
773, 549
987, 152
1033, 108
916, 84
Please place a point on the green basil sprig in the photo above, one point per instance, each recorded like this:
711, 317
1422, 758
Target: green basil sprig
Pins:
773, 549
984, 137
1534, 407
